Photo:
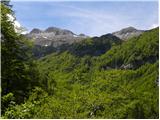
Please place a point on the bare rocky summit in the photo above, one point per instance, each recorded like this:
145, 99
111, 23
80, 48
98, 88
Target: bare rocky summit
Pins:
53, 36
127, 33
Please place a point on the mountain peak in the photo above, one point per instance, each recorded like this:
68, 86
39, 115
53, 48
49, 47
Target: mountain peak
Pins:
52, 29
58, 31
129, 28
127, 33
35, 30
53, 36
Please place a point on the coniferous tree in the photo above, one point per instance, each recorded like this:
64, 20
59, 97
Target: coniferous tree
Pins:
19, 72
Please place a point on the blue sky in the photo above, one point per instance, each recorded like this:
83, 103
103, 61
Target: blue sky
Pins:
91, 18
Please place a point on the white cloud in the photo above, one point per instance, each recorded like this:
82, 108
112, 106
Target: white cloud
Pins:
12, 19
17, 26
153, 26
89, 20
93, 22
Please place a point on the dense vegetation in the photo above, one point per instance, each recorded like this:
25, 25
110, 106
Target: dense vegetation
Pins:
120, 82
90, 46
19, 72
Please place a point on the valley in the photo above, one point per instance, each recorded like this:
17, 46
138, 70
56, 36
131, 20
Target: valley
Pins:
57, 74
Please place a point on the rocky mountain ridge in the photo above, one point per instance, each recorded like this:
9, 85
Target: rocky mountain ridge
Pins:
57, 40
127, 33
53, 36
56, 37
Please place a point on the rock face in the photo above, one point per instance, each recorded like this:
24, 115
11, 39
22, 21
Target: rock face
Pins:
53, 36
127, 33
35, 31
57, 40
128, 66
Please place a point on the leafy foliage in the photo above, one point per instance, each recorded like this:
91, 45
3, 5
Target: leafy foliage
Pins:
18, 72
94, 87
96, 78
136, 51
88, 46
94, 46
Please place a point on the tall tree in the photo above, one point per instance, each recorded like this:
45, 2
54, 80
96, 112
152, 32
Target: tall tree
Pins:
19, 73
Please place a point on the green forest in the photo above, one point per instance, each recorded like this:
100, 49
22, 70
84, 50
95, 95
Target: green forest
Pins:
101, 77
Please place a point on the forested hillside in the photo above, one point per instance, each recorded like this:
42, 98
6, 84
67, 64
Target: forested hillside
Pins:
100, 77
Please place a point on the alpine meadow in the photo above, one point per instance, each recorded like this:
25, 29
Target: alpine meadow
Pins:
55, 73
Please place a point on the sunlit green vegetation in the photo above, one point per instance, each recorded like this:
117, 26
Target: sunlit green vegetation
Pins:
121, 82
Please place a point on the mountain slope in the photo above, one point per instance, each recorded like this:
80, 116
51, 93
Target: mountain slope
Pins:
52, 39
53, 36
58, 40
87, 46
127, 33
135, 52
98, 86
94, 46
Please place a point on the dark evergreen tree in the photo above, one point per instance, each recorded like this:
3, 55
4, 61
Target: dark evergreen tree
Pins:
18, 74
